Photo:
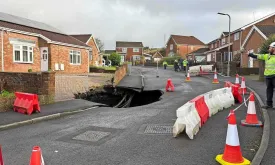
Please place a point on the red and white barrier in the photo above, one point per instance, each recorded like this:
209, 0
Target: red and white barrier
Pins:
188, 119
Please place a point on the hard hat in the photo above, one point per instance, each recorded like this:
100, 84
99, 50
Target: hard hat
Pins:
272, 44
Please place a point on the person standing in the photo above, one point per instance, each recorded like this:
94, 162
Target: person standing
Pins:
165, 64
185, 62
176, 66
269, 73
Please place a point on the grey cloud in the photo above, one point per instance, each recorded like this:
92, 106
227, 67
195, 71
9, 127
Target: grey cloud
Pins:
140, 20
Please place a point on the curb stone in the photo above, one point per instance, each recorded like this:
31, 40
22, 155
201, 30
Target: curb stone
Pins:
43, 118
266, 131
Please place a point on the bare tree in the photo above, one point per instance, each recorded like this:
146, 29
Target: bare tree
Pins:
100, 44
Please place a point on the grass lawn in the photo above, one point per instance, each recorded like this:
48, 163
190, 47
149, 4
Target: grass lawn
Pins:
105, 68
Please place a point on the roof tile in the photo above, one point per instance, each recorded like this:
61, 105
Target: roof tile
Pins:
190, 40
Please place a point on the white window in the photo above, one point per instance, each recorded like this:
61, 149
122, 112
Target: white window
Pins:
211, 45
223, 41
75, 57
22, 54
215, 44
136, 50
236, 36
91, 55
124, 50
171, 46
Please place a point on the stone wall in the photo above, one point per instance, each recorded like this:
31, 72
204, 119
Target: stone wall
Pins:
120, 73
42, 84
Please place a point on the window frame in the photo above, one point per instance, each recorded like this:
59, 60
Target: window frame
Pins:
136, 50
91, 55
236, 36
124, 50
75, 53
223, 41
21, 55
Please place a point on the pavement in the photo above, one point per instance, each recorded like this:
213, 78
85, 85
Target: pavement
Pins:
129, 136
11, 117
260, 88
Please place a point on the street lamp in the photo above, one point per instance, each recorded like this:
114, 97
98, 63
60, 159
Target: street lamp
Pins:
228, 67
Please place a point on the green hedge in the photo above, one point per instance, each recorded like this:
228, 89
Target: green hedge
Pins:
170, 60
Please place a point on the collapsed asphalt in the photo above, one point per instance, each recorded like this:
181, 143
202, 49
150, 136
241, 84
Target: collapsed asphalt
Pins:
126, 142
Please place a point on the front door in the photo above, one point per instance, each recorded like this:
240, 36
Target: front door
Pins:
44, 58
122, 58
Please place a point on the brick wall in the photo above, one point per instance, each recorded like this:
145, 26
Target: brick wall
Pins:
120, 73
171, 41
95, 52
42, 84
61, 54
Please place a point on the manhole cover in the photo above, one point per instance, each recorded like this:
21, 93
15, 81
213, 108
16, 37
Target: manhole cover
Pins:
92, 136
158, 129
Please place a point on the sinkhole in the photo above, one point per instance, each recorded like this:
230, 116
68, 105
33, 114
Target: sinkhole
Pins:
120, 97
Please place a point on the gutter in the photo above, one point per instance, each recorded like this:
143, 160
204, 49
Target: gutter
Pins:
2, 50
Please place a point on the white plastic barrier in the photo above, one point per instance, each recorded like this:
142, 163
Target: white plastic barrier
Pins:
224, 97
188, 119
211, 102
206, 68
194, 68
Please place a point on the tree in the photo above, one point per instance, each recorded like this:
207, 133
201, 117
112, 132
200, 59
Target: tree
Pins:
115, 58
264, 50
100, 44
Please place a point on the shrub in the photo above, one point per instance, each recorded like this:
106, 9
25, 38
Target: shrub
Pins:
265, 46
170, 60
115, 58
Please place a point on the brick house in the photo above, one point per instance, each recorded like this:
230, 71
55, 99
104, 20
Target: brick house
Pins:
219, 47
182, 45
255, 38
27, 44
129, 51
95, 57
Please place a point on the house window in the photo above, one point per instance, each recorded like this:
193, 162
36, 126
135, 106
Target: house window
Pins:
171, 46
223, 41
91, 55
226, 56
75, 57
136, 50
216, 45
236, 36
212, 46
124, 50
22, 54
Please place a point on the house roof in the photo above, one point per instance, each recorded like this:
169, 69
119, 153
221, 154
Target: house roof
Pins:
109, 51
129, 44
82, 37
200, 51
190, 40
157, 54
27, 22
225, 33
267, 30
50, 36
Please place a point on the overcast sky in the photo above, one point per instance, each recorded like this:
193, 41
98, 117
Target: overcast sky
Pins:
149, 21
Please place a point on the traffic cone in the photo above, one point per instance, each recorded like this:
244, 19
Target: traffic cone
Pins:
232, 152
251, 117
215, 81
237, 81
36, 157
170, 86
1, 157
243, 87
188, 77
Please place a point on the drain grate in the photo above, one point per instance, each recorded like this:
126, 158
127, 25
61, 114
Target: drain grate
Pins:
92, 136
158, 129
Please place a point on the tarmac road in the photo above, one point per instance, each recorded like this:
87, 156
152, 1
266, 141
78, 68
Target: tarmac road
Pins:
108, 136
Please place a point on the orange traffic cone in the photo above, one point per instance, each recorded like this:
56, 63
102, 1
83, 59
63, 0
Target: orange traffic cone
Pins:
251, 117
1, 157
188, 77
232, 152
215, 81
237, 81
36, 157
243, 87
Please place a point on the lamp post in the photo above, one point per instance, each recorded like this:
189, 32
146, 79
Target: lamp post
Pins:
228, 67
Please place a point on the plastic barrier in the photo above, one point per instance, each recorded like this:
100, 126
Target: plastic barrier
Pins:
194, 69
212, 103
188, 119
235, 91
207, 68
202, 108
26, 103
225, 97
